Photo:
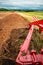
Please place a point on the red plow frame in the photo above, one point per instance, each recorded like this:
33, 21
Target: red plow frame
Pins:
26, 57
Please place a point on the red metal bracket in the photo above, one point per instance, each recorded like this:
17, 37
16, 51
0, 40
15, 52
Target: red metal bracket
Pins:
38, 23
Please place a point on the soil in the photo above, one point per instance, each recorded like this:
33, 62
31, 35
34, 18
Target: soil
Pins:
12, 21
13, 31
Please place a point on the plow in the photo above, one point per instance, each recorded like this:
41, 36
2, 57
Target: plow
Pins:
26, 57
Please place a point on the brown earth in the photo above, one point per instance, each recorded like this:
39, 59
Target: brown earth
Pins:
9, 22
4, 14
13, 31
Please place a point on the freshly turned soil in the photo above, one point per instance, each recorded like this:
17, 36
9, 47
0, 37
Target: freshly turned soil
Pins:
11, 47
